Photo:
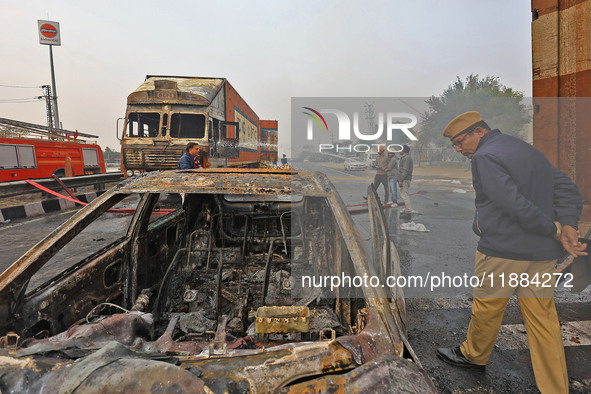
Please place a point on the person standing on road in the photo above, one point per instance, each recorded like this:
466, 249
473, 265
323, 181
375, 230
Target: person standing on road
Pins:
392, 171
190, 159
381, 175
405, 168
284, 160
527, 211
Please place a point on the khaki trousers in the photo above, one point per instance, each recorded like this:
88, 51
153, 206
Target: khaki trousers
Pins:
538, 311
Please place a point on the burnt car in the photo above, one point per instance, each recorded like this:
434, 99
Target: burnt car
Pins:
196, 281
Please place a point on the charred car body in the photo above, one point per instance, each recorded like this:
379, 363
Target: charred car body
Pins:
202, 291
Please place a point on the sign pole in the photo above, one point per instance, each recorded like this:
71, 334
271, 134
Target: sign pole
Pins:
49, 34
57, 117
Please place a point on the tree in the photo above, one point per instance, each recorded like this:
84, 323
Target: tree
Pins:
111, 155
500, 106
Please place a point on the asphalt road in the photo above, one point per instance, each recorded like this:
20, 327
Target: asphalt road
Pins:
437, 317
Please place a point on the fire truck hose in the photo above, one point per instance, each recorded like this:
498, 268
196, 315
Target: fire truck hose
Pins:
58, 180
74, 200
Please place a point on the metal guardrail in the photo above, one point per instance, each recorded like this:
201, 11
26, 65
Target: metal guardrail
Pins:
17, 188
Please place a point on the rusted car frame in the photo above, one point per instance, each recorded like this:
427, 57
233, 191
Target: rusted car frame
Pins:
202, 296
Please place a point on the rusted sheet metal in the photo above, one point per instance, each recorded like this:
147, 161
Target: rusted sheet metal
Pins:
259, 171
238, 110
282, 319
269, 134
372, 342
112, 369
257, 370
128, 329
179, 89
60, 301
561, 61
380, 317
385, 374
273, 368
133, 375
234, 181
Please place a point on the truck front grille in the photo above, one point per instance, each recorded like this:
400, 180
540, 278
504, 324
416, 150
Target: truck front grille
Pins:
162, 159
133, 158
152, 159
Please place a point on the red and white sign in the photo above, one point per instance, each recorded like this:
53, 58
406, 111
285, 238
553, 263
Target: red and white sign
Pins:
49, 32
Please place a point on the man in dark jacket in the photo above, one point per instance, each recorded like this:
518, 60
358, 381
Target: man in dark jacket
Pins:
190, 159
381, 177
527, 211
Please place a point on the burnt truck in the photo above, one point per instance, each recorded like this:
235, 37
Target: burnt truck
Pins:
166, 112
205, 287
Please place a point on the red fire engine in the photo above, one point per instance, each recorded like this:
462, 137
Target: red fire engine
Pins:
30, 151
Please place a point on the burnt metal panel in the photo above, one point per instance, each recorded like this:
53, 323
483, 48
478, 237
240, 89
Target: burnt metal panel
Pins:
385, 374
197, 90
230, 181
15, 277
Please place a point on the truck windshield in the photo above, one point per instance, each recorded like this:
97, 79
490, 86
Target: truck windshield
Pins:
143, 124
187, 126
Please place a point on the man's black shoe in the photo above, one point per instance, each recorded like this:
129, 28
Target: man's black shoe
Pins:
455, 357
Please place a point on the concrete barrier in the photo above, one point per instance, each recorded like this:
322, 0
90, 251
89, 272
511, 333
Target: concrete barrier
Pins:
43, 207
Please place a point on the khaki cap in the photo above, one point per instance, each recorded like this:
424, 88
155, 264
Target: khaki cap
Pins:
461, 124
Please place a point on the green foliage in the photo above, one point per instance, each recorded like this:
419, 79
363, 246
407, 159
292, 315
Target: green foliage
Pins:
500, 107
111, 155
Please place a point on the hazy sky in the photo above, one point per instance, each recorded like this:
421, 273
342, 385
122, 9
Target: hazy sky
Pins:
269, 50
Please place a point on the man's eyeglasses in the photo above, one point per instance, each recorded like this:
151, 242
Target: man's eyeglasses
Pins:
459, 141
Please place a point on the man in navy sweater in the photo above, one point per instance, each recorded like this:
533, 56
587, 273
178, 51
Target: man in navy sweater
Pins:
527, 213
190, 159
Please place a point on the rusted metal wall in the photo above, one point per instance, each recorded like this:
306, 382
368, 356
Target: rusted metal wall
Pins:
269, 132
561, 49
237, 110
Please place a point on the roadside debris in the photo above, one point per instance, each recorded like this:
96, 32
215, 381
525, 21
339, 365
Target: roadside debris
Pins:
412, 226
